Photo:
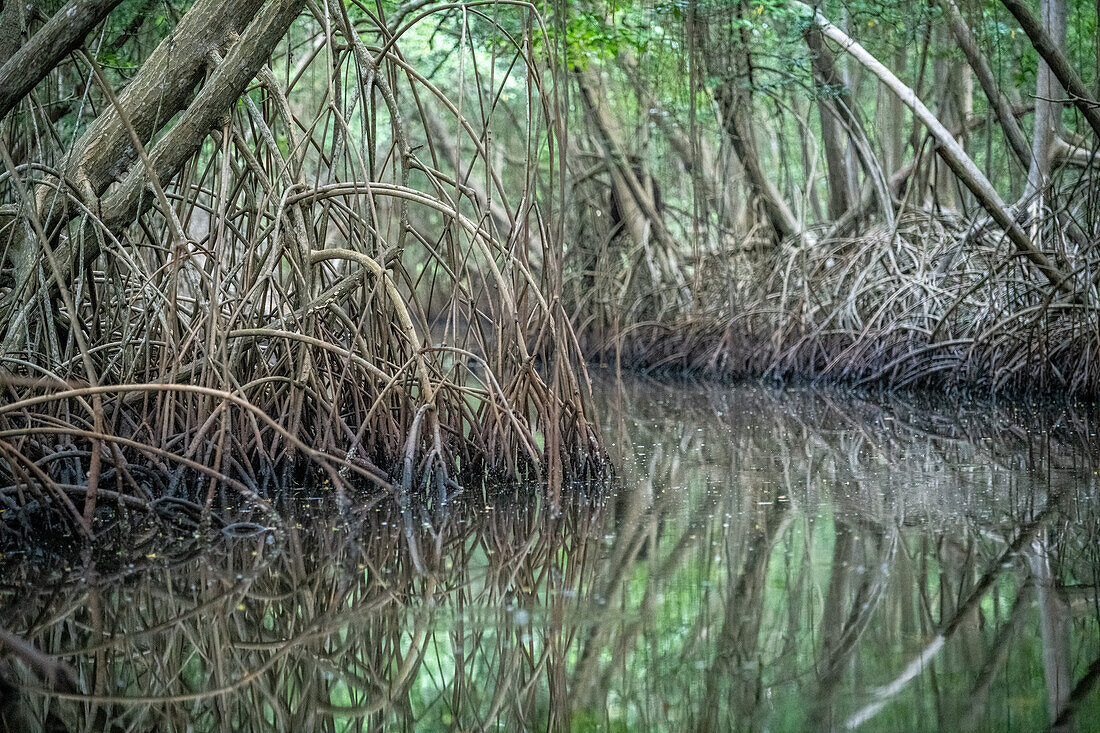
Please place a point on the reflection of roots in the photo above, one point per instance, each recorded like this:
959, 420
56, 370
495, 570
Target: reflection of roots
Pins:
332, 620
494, 610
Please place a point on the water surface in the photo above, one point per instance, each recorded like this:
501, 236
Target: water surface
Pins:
764, 561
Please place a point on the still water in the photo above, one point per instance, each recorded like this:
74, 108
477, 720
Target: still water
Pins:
764, 561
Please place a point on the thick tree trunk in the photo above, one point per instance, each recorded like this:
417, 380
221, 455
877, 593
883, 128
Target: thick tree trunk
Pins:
13, 23
212, 104
952, 153
62, 34
164, 86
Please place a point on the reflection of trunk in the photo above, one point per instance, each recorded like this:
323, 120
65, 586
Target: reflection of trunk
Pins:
998, 655
1054, 627
841, 634
634, 516
832, 621
1048, 107
1081, 692
946, 629
735, 674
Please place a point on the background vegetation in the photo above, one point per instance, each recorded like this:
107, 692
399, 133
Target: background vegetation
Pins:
891, 193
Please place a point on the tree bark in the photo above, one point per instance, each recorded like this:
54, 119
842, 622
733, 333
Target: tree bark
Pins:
60, 36
946, 95
727, 57
857, 145
165, 86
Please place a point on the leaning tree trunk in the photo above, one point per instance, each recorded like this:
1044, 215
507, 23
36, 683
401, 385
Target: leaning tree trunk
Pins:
1059, 65
1017, 141
246, 32
951, 152
62, 34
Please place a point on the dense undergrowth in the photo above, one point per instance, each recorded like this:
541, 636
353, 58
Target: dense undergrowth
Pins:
933, 302
272, 248
262, 245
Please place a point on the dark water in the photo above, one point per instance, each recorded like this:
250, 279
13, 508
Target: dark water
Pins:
768, 561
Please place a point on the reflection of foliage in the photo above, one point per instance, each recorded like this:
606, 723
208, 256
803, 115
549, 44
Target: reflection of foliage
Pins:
767, 561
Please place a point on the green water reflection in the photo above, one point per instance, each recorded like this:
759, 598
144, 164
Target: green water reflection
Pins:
767, 561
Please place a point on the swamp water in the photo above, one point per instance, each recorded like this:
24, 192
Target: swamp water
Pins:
766, 561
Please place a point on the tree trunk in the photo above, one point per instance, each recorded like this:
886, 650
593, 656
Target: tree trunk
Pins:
729, 59
213, 102
1048, 105
639, 210
950, 110
830, 90
737, 123
62, 34
890, 122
